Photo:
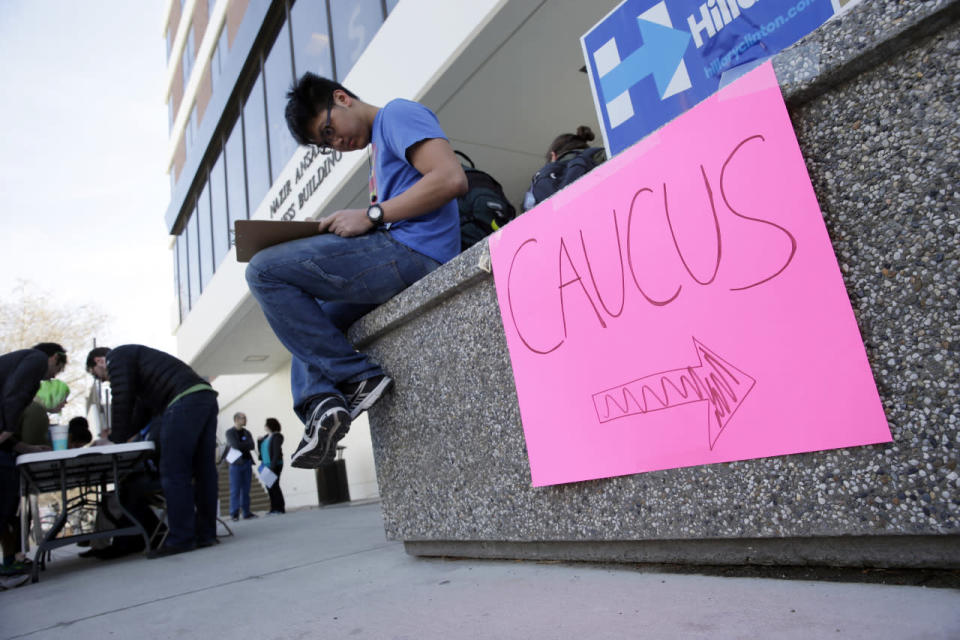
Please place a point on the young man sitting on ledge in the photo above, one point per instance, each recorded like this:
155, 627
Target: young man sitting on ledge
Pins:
311, 290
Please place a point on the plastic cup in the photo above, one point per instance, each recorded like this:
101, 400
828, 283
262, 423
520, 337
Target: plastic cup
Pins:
58, 436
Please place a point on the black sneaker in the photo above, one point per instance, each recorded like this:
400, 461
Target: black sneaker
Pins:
329, 422
364, 394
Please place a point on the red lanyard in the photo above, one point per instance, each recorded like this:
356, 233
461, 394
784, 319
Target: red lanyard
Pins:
372, 161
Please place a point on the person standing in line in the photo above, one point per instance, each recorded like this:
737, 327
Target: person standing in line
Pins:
270, 448
240, 443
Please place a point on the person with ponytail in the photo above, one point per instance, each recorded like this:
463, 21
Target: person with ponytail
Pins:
569, 157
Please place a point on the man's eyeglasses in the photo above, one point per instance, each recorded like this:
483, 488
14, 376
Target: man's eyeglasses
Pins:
327, 132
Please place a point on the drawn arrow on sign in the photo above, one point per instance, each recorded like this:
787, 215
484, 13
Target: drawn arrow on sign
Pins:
715, 381
660, 55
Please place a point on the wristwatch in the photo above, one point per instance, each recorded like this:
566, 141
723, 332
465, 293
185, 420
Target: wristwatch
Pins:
375, 214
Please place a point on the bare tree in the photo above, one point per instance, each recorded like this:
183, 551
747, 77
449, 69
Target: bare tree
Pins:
31, 315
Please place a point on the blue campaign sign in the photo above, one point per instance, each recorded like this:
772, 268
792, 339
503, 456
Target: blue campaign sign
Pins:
649, 61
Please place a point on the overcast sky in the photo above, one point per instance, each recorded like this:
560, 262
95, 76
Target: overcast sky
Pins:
83, 183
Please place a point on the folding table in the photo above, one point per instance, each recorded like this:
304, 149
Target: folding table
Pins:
87, 469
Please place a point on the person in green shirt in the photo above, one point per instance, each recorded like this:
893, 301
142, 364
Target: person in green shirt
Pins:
34, 423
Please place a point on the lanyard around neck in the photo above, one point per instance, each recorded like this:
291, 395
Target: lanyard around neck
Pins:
372, 163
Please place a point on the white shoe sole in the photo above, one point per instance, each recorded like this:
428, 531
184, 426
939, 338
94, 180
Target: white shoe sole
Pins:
372, 397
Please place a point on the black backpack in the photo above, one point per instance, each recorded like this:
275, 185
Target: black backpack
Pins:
484, 208
554, 176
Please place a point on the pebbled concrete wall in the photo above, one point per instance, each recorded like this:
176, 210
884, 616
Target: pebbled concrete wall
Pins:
873, 97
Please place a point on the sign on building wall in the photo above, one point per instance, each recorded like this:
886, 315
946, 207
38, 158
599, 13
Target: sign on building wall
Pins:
290, 196
649, 60
682, 304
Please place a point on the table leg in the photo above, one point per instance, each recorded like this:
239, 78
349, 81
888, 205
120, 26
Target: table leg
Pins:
24, 515
57, 526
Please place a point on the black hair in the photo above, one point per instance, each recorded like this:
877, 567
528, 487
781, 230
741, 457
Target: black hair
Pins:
78, 430
50, 348
96, 352
273, 424
571, 141
310, 95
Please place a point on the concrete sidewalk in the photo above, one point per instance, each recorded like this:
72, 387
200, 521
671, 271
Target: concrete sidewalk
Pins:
330, 573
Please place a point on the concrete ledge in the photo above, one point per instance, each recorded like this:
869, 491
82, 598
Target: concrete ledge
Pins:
889, 552
873, 99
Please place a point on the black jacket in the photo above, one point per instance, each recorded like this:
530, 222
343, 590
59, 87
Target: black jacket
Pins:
20, 375
143, 382
242, 441
275, 451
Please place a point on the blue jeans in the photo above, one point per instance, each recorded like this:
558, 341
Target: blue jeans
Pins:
311, 290
240, 475
188, 471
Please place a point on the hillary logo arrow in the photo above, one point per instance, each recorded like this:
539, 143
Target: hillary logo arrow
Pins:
660, 55
716, 382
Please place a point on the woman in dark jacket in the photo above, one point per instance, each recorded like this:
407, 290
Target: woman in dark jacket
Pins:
270, 448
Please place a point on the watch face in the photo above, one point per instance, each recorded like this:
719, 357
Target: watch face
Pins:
375, 213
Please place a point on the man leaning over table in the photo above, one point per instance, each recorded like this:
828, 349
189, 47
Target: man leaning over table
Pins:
146, 383
20, 375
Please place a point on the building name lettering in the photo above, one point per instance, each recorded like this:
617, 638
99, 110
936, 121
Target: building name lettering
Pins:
317, 177
314, 178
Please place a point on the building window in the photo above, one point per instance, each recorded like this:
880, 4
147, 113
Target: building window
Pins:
354, 24
206, 237
278, 74
255, 144
189, 57
193, 258
236, 178
218, 209
181, 270
218, 62
190, 133
311, 39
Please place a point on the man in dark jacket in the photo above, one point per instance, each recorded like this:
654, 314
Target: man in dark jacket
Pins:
146, 383
241, 468
20, 375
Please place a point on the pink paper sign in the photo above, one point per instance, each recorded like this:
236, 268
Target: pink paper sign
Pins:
682, 304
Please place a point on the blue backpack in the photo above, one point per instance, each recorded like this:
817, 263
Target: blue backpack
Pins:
554, 176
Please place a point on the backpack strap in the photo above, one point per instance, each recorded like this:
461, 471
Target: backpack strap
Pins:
467, 158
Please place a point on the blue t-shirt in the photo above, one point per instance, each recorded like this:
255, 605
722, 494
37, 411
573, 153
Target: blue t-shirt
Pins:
398, 126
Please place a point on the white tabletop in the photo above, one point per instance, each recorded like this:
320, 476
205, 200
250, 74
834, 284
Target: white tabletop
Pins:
67, 454
60, 470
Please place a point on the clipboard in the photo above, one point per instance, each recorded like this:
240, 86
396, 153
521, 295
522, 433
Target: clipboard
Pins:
251, 236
